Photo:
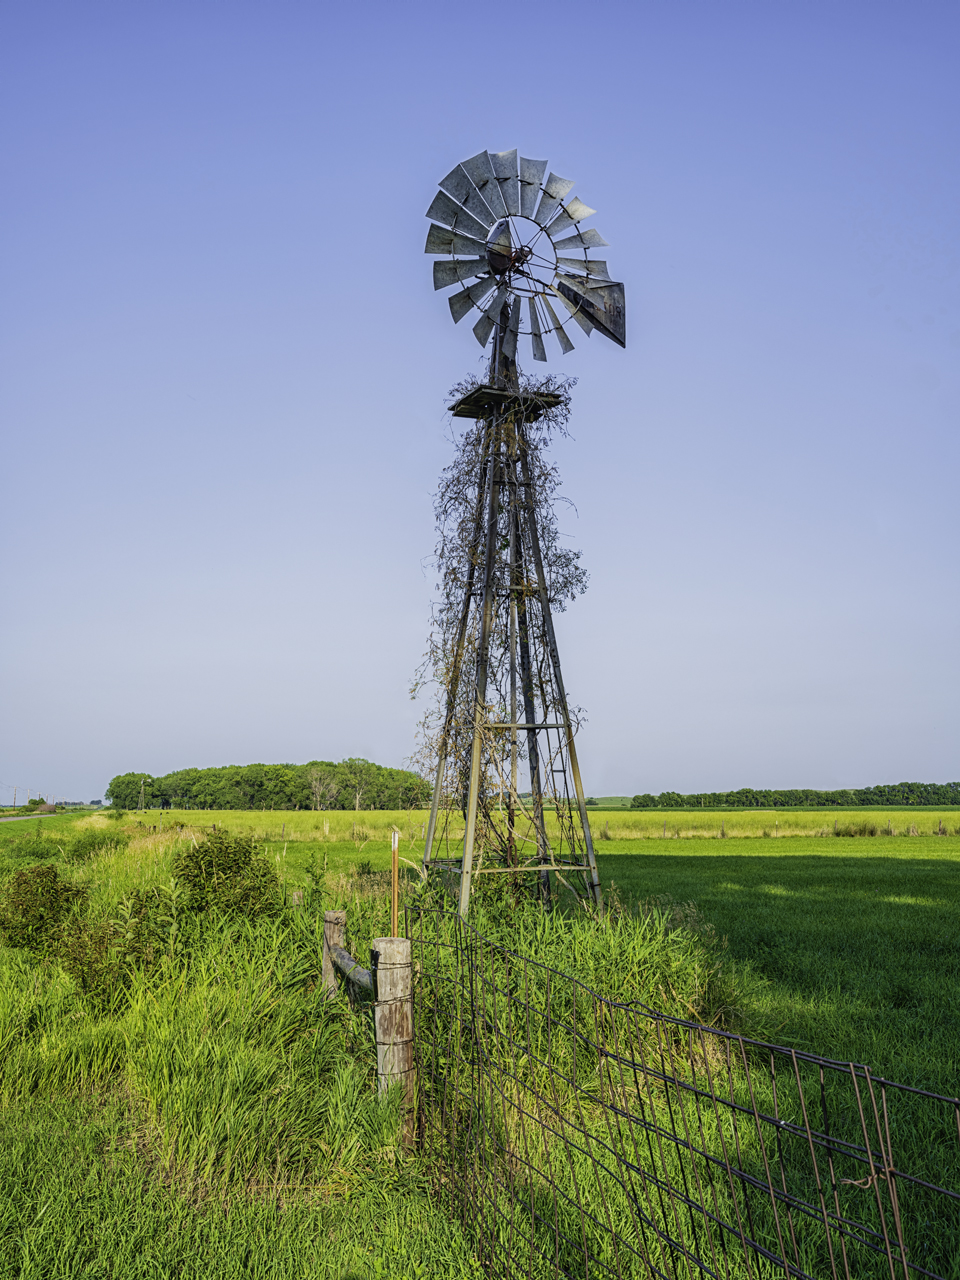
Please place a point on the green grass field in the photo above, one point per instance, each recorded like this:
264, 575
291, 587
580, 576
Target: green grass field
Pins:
113, 1140
847, 947
852, 946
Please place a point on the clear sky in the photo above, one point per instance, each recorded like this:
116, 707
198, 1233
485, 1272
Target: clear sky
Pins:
224, 366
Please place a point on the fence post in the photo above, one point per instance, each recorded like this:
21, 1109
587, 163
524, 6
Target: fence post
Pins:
390, 964
334, 923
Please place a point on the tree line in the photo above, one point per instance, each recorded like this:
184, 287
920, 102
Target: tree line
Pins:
320, 784
896, 793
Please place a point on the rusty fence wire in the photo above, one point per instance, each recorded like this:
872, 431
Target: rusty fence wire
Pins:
577, 1136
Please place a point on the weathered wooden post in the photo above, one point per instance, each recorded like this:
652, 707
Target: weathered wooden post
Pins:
395, 883
390, 964
334, 924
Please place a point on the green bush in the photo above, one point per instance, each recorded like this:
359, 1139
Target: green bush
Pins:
30, 848
225, 873
103, 956
33, 903
89, 843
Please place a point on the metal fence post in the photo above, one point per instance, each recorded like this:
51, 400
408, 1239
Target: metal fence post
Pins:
390, 964
334, 923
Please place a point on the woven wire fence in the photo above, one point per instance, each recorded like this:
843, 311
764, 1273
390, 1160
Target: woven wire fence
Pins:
578, 1136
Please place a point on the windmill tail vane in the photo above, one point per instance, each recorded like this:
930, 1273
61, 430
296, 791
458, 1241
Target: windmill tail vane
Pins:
512, 241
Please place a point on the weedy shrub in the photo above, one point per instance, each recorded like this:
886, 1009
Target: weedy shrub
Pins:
225, 873
31, 848
103, 956
859, 829
33, 903
89, 843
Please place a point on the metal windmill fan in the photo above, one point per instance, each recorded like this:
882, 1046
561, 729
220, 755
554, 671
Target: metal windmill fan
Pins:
518, 238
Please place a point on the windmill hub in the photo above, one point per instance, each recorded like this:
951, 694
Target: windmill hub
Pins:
518, 249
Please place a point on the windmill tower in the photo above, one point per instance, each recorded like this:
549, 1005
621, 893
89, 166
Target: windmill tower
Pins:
507, 237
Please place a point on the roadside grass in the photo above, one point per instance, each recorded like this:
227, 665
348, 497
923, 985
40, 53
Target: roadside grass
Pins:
78, 1200
215, 1114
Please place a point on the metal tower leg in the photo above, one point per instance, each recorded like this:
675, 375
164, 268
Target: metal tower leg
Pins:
457, 661
557, 674
483, 653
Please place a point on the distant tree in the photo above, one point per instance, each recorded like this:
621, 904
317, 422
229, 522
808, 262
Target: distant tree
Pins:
356, 775
123, 791
323, 785
351, 784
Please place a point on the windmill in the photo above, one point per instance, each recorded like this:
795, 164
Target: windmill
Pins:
511, 244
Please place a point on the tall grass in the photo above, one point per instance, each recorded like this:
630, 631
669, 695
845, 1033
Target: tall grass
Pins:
78, 1200
575, 1131
214, 1083
339, 826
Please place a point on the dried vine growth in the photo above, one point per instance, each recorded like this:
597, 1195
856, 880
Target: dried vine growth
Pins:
507, 796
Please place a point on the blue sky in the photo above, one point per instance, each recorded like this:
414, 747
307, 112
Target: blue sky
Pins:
224, 365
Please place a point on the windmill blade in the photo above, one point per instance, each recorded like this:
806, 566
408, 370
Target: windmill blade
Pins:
479, 169
491, 314
536, 338
483, 329
446, 210
505, 167
554, 189
593, 267
531, 175
513, 330
442, 240
575, 212
566, 346
575, 308
466, 299
446, 273
458, 185
588, 239
603, 303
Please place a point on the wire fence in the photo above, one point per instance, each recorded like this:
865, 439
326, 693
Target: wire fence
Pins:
578, 1136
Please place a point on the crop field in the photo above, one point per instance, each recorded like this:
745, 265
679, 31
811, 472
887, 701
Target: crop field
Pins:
339, 825
218, 1118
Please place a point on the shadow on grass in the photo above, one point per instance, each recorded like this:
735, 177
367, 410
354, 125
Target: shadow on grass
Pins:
858, 957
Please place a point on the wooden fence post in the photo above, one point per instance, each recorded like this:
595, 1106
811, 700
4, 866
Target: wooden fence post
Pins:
390, 964
334, 923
